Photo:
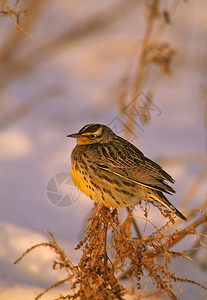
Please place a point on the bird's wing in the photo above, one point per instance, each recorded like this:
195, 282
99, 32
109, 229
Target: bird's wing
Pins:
131, 164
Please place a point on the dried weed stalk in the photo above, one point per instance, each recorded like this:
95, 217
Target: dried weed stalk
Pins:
6, 10
14, 13
121, 268
153, 51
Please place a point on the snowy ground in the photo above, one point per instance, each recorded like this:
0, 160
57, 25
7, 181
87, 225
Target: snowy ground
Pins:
84, 77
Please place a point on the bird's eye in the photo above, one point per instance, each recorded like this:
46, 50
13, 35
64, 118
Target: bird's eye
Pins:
92, 136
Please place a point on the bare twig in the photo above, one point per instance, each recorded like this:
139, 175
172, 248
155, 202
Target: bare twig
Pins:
181, 234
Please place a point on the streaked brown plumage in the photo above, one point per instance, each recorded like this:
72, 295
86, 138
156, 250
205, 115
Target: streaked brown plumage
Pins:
113, 172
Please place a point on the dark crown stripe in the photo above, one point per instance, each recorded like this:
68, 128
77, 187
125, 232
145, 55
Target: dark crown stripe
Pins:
84, 129
90, 128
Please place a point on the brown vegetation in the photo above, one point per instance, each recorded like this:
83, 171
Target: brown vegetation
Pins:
116, 263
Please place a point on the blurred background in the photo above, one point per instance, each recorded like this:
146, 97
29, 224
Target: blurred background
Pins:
65, 64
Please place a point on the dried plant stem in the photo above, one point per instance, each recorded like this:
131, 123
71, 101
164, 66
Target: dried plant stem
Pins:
15, 37
30, 249
170, 13
92, 276
203, 173
2, 2
152, 9
50, 287
197, 243
86, 27
182, 234
136, 227
105, 211
204, 91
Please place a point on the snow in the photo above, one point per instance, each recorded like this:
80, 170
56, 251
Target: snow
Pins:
81, 80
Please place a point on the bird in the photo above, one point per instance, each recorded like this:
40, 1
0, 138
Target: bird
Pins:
115, 173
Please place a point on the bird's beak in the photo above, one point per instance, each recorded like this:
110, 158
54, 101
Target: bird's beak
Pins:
81, 139
75, 135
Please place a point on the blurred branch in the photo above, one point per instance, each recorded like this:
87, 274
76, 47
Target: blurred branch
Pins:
88, 27
196, 158
167, 18
136, 86
203, 173
5, 11
152, 15
26, 107
153, 51
25, 32
14, 37
204, 91
201, 176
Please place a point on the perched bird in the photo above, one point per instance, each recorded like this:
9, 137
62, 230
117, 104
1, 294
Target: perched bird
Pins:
113, 172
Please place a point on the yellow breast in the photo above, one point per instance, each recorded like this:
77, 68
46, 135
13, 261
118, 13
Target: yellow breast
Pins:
79, 181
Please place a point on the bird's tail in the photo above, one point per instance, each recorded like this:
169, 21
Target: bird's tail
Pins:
160, 198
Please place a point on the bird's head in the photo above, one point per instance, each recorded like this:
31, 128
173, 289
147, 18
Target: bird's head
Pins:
93, 133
